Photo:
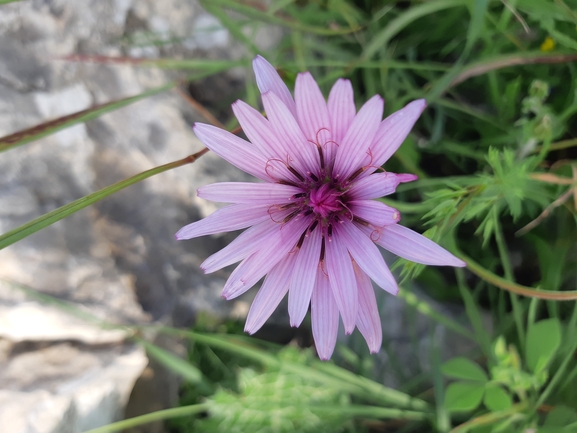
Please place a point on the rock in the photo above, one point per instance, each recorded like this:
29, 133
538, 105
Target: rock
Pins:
117, 260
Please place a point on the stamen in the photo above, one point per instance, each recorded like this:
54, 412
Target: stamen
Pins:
356, 173
308, 212
313, 226
313, 177
330, 232
322, 250
301, 240
361, 221
291, 216
296, 173
286, 182
299, 195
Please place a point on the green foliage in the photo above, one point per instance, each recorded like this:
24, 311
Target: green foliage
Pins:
275, 402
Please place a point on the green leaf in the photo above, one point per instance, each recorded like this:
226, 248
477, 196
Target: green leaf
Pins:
463, 368
464, 396
560, 417
543, 340
173, 362
496, 398
36, 132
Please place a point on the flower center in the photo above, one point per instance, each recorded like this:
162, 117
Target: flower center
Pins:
325, 200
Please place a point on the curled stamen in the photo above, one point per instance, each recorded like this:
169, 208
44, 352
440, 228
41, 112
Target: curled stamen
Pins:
275, 209
376, 237
350, 214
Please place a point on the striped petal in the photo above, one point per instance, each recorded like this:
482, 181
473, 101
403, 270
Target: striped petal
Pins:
235, 150
249, 193
342, 280
268, 80
243, 246
353, 149
229, 218
368, 319
375, 212
377, 185
342, 110
393, 131
367, 256
324, 316
304, 154
312, 113
271, 251
412, 246
303, 277
273, 290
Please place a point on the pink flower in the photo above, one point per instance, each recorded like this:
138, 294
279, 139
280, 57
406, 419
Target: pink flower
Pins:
313, 222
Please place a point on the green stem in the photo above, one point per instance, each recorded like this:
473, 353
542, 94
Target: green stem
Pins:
508, 269
57, 214
151, 417
424, 308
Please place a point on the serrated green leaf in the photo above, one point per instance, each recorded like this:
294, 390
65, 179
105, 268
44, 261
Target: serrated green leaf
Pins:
463, 368
464, 396
543, 340
496, 398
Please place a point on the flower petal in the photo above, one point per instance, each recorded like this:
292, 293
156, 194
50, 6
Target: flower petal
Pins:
412, 246
304, 154
374, 212
368, 319
374, 186
271, 293
367, 256
342, 108
271, 251
243, 246
353, 149
303, 277
268, 79
248, 192
312, 112
393, 131
229, 218
235, 150
342, 280
324, 316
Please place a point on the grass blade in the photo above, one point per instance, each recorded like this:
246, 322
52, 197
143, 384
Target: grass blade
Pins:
173, 362
282, 20
57, 214
36, 132
151, 417
201, 64
383, 37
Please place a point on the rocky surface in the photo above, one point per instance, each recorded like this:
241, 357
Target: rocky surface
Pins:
117, 260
